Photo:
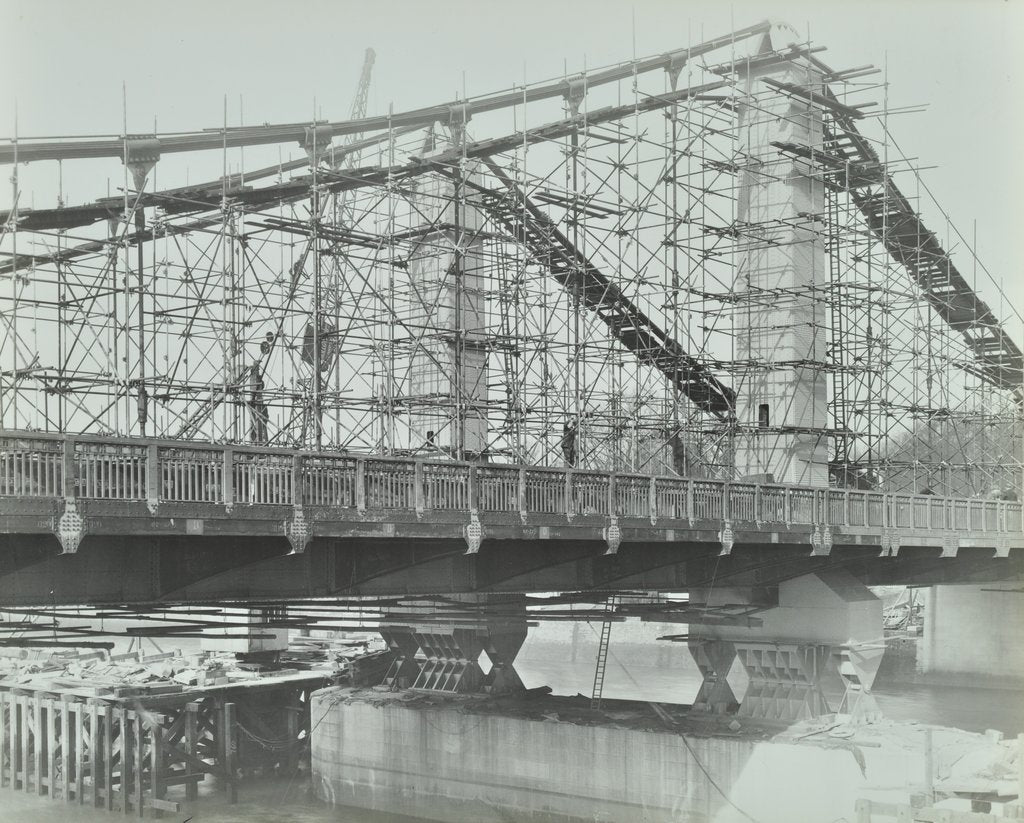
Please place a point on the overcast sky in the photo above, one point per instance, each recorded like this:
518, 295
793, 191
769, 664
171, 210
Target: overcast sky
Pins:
64, 62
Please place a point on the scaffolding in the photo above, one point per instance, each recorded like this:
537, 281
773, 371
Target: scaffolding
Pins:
574, 288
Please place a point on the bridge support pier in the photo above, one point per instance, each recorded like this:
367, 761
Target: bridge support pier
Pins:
815, 652
255, 640
974, 635
472, 653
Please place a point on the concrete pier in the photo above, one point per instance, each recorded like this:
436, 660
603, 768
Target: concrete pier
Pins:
974, 635
554, 759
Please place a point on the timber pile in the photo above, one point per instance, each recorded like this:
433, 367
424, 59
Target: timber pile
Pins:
126, 732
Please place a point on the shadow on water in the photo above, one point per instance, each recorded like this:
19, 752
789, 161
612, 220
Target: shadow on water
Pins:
274, 800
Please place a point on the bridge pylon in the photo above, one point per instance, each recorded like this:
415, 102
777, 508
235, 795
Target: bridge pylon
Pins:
782, 407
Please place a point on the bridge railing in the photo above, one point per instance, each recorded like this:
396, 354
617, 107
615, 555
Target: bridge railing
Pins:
31, 467
38, 465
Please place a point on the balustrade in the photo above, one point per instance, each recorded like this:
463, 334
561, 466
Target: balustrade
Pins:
110, 471
672, 498
632, 496
446, 487
498, 488
190, 475
545, 492
31, 468
707, 499
52, 466
329, 481
590, 493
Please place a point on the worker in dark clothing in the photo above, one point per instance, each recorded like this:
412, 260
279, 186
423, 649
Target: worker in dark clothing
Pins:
143, 408
680, 459
569, 432
259, 415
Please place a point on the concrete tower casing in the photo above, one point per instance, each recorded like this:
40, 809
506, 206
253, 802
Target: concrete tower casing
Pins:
781, 275
442, 306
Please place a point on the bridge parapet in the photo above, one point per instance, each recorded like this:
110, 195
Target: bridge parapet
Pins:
191, 479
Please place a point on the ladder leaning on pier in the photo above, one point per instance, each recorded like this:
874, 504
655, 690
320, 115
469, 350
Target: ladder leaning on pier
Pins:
602, 651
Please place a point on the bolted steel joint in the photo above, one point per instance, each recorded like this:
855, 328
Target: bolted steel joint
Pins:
140, 153
674, 66
316, 139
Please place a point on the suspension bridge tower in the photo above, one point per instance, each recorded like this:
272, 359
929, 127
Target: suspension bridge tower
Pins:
781, 274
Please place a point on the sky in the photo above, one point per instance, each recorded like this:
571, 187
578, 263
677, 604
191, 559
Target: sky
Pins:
68, 66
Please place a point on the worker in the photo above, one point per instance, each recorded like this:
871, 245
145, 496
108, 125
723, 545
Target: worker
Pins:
143, 402
258, 412
569, 432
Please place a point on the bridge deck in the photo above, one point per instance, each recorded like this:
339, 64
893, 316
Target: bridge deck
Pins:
131, 486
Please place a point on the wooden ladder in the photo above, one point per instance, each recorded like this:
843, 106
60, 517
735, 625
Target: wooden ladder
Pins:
602, 651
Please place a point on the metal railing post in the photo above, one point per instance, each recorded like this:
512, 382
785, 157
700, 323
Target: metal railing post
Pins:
360, 484
152, 477
473, 489
419, 493
652, 499
69, 469
298, 487
227, 483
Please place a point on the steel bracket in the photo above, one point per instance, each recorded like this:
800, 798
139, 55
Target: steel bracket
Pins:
613, 536
950, 545
727, 538
70, 527
890, 542
473, 532
298, 530
575, 93
821, 541
676, 62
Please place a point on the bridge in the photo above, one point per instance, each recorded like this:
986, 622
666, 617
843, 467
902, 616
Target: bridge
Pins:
671, 325
207, 522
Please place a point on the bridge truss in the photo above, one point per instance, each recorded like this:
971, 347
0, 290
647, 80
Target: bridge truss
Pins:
426, 289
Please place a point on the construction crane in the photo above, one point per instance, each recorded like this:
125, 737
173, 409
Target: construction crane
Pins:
358, 110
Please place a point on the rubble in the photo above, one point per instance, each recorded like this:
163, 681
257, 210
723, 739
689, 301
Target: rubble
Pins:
133, 674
